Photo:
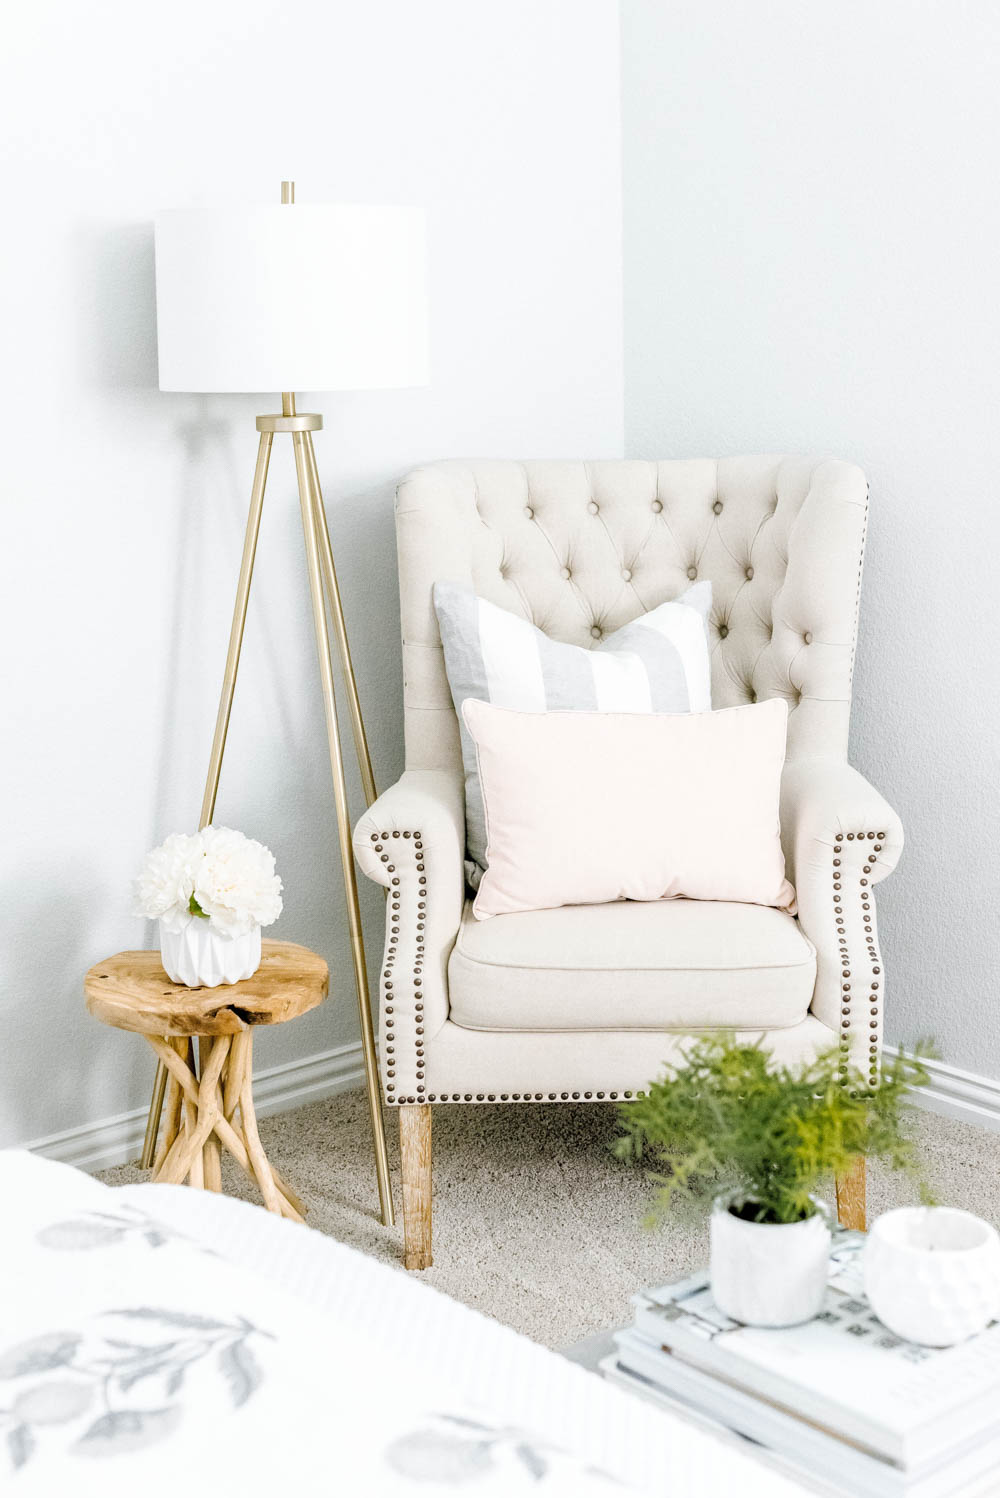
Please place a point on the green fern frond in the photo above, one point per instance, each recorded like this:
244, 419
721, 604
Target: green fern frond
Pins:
731, 1115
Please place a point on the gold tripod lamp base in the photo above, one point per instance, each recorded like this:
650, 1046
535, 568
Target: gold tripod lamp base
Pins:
327, 616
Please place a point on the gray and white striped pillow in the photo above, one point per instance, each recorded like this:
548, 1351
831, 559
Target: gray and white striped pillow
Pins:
657, 664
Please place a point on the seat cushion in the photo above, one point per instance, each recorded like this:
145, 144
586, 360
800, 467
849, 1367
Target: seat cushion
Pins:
665, 965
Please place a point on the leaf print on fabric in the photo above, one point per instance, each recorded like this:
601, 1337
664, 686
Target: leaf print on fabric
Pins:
241, 1371
125, 1374
53, 1403
467, 1449
185, 1319
39, 1354
80, 1233
150, 1368
436, 1456
20, 1445
103, 1229
531, 1459
120, 1431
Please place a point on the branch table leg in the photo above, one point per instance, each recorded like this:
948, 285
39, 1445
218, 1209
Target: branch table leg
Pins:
172, 1116
211, 1156
209, 1109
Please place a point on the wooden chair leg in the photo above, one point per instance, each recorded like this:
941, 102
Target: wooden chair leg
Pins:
851, 1210
415, 1150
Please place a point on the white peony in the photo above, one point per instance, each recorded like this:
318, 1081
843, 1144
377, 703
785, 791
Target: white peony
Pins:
166, 883
217, 874
235, 882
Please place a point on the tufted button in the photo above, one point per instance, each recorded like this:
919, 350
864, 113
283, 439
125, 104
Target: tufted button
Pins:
592, 507
529, 512
596, 631
692, 573
717, 507
657, 506
807, 637
565, 572
749, 574
723, 631
626, 575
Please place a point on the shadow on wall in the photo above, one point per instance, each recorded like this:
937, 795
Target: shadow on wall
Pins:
213, 451
46, 957
116, 302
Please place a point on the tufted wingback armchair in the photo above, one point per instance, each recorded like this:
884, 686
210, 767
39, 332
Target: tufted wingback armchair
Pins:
586, 1004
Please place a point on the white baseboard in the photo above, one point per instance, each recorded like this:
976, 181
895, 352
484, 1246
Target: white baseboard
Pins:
960, 1094
114, 1141
117, 1140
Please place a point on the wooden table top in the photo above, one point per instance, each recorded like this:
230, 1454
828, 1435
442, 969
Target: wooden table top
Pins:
132, 992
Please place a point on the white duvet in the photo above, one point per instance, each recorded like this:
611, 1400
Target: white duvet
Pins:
134, 1360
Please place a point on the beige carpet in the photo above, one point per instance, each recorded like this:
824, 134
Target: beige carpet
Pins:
535, 1222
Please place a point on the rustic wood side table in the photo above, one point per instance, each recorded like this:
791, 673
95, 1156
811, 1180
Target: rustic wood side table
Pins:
132, 992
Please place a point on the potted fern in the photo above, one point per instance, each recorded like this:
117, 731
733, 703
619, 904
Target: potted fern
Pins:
770, 1135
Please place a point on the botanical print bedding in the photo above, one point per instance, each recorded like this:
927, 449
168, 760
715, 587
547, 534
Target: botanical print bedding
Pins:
131, 1359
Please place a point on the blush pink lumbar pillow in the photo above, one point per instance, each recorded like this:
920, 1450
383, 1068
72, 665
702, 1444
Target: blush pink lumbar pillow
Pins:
585, 808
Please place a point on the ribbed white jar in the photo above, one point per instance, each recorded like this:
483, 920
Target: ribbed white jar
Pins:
769, 1274
199, 957
932, 1274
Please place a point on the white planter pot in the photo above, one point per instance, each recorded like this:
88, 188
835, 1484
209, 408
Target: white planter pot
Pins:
769, 1274
200, 958
932, 1274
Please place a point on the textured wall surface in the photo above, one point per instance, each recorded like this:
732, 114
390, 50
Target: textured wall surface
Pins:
124, 507
811, 221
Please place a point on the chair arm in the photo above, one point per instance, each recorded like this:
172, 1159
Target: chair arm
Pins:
412, 841
840, 838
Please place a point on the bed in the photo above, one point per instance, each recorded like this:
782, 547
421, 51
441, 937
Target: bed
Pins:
157, 1338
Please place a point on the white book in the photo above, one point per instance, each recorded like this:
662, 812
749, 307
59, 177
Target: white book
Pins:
812, 1451
843, 1371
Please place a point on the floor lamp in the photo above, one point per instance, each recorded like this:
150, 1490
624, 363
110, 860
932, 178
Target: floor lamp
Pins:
284, 297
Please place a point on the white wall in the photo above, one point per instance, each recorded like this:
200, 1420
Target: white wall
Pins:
124, 508
811, 228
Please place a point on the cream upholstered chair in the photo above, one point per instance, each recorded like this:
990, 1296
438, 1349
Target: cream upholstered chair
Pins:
586, 1004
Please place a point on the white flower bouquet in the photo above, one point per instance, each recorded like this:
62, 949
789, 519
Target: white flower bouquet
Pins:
211, 892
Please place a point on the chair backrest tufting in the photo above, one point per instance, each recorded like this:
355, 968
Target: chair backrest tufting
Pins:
582, 548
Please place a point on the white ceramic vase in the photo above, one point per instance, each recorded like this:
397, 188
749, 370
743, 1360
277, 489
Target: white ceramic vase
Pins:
932, 1274
769, 1274
200, 958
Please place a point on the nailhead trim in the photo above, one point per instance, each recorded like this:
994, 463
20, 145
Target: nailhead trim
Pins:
389, 997
845, 959
422, 1096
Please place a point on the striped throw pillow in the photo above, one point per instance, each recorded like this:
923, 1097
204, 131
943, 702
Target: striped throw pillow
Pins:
656, 664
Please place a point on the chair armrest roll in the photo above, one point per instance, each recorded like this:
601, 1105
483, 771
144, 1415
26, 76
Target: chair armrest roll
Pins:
840, 838
412, 841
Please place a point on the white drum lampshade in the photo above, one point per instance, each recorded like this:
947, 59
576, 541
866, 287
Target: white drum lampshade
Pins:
291, 297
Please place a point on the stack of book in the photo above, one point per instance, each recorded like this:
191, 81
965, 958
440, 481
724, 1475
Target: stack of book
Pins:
838, 1400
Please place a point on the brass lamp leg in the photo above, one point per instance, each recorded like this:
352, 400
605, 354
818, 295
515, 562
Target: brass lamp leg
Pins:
153, 1117
309, 504
339, 627
221, 725
236, 632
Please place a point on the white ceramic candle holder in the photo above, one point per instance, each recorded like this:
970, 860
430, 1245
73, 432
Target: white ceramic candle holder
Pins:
932, 1274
